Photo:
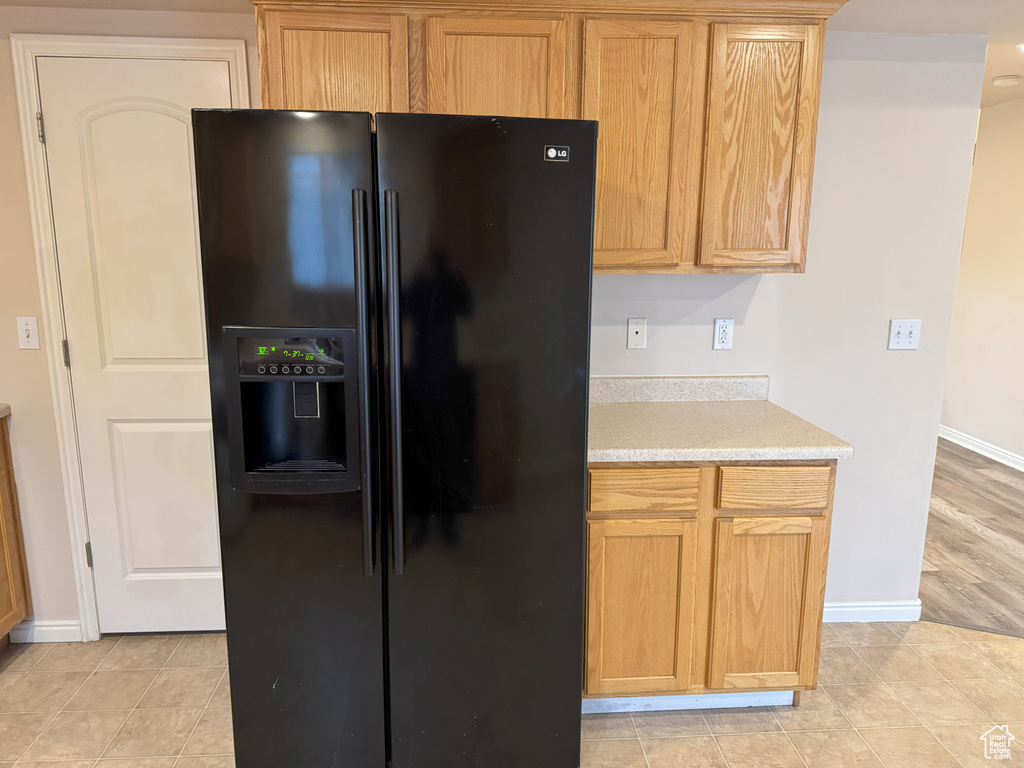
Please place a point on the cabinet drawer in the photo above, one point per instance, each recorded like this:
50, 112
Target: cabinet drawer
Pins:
751, 488
644, 490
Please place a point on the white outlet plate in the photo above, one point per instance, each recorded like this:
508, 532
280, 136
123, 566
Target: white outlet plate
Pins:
636, 333
904, 334
28, 333
723, 334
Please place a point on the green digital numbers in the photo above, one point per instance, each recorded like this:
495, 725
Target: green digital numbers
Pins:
262, 351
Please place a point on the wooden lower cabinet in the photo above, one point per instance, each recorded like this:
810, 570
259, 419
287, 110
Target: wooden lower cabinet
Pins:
687, 594
15, 601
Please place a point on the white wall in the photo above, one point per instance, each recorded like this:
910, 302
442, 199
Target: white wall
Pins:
24, 379
985, 370
896, 132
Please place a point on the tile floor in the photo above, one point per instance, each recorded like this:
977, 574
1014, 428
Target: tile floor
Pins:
891, 695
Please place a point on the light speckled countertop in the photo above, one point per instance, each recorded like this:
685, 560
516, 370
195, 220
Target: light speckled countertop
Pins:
5, 410
699, 418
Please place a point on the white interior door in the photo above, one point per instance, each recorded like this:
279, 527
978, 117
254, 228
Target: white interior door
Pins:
119, 158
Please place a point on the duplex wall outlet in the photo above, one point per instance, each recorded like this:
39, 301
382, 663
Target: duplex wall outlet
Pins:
723, 334
28, 333
904, 334
636, 333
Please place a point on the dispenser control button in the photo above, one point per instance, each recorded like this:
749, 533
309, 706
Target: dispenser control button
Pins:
262, 369
285, 369
321, 369
309, 369
273, 369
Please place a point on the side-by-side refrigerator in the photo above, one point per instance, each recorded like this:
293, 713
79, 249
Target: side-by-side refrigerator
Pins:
398, 326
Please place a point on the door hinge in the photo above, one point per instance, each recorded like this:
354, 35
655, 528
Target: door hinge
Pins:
39, 125
88, 553
67, 353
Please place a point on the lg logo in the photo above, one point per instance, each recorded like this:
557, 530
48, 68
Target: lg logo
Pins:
556, 154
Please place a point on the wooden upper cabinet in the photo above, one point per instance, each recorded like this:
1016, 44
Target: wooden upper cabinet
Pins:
643, 82
513, 67
762, 116
311, 59
768, 595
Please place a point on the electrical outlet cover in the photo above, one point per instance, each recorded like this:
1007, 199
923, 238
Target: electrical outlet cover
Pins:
723, 334
904, 334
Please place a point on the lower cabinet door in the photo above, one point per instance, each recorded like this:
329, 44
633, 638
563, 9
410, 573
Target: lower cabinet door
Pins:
640, 600
768, 594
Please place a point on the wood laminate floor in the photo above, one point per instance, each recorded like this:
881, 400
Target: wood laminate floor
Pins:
973, 571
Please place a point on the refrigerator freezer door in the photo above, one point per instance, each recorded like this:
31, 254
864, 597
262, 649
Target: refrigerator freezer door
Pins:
492, 221
304, 620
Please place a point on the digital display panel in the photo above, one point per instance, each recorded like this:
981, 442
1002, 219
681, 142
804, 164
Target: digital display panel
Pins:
261, 356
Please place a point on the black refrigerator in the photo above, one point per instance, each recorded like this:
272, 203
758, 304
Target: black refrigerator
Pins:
398, 326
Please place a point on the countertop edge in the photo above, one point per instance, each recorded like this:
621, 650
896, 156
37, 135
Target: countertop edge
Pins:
817, 453
5, 410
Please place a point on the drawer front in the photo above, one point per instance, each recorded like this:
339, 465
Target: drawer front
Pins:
644, 490
753, 488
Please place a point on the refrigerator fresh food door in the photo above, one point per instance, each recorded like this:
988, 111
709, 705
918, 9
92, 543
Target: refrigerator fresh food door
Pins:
486, 232
285, 207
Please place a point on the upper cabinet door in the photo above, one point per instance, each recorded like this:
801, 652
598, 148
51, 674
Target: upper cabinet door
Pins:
643, 82
762, 118
493, 66
334, 60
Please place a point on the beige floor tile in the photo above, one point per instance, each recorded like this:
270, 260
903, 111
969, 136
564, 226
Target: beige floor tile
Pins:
897, 663
958, 661
141, 652
669, 725
208, 761
145, 762
1008, 657
908, 748
817, 712
185, 687
7, 681
58, 764
213, 735
830, 638
923, 632
17, 732
222, 696
612, 725
834, 749
867, 634
741, 720
1001, 699
938, 703
759, 750
206, 650
974, 636
42, 691
692, 752
870, 706
843, 665
112, 690
964, 741
154, 733
20, 657
75, 657
621, 753
76, 735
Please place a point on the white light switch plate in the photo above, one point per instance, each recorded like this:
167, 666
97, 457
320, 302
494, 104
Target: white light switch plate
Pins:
904, 334
636, 333
723, 334
28, 333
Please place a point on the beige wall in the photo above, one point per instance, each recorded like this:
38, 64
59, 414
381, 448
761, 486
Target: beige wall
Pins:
985, 370
896, 132
24, 381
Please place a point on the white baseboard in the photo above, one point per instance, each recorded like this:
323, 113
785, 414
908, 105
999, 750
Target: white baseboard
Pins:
32, 631
677, 703
888, 610
988, 450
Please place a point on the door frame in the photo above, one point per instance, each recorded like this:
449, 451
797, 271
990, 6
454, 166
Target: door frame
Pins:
26, 50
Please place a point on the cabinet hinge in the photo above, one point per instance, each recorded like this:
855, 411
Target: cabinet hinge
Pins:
88, 553
39, 125
67, 353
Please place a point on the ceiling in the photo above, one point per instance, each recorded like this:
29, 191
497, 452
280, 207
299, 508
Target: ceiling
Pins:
1003, 59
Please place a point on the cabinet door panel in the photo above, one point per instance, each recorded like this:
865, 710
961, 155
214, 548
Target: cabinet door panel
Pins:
768, 594
337, 61
494, 66
640, 605
15, 601
642, 82
762, 117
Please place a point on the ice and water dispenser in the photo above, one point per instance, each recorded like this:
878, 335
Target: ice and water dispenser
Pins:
293, 409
